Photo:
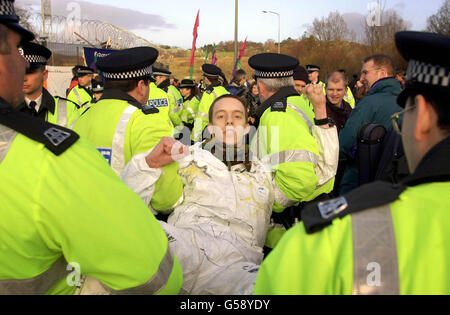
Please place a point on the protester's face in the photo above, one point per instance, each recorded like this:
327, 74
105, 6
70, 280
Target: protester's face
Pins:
370, 74
12, 71
34, 81
336, 92
85, 80
299, 86
255, 91
229, 123
313, 76
185, 92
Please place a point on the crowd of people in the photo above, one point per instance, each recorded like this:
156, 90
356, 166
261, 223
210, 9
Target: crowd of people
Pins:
272, 183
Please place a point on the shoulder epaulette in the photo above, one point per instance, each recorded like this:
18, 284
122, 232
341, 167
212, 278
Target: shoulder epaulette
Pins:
57, 139
317, 216
148, 109
279, 106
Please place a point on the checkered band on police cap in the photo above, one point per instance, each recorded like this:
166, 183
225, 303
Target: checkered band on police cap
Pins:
135, 74
35, 59
273, 74
428, 74
7, 8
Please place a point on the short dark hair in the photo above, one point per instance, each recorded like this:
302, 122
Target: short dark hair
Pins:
213, 80
211, 109
439, 101
382, 61
239, 75
4, 45
124, 85
438, 98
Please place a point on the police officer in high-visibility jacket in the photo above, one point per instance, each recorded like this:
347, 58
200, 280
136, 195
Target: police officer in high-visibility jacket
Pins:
123, 124
159, 99
383, 238
162, 77
189, 89
38, 101
61, 203
212, 75
82, 93
313, 74
285, 122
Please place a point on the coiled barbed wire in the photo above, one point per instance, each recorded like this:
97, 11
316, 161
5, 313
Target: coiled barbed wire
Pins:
93, 31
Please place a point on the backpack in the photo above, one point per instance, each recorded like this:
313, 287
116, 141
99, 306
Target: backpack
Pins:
369, 151
380, 155
393, 166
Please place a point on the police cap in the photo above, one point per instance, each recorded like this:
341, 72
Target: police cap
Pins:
428, 62
36, 55
98, 87
83, 70
187, 83
128, 64
210, 70
300, 74
9, 18
271, 66
161, 71
312, 68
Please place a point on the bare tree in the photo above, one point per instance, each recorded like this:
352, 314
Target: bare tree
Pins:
440, 22
331, 28
380, 36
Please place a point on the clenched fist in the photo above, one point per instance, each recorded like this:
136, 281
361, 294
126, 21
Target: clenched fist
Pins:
167, 151
315, 94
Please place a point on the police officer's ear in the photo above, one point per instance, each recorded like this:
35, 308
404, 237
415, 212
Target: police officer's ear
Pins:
427, 119
45, 74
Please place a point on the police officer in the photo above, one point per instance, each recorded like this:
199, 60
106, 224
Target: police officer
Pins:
188, 89
82, 93
383, 238
38, 101
162, 77
159, 99
285, 123
97, 89
214, 81
313, 74
122, 124
348, 97
48, 221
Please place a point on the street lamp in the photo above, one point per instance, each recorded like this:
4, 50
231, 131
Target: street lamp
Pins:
264, 11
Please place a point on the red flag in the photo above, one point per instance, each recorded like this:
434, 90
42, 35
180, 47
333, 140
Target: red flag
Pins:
194, 42
241, 54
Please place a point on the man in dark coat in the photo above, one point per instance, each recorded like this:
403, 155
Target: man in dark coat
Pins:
376, 107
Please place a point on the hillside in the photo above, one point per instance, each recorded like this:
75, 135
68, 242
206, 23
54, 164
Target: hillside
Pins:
330, 56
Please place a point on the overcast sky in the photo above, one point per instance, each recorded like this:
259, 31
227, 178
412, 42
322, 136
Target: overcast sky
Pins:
171, 22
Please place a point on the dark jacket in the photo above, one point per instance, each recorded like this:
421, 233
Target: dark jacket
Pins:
376, 107
339, 115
